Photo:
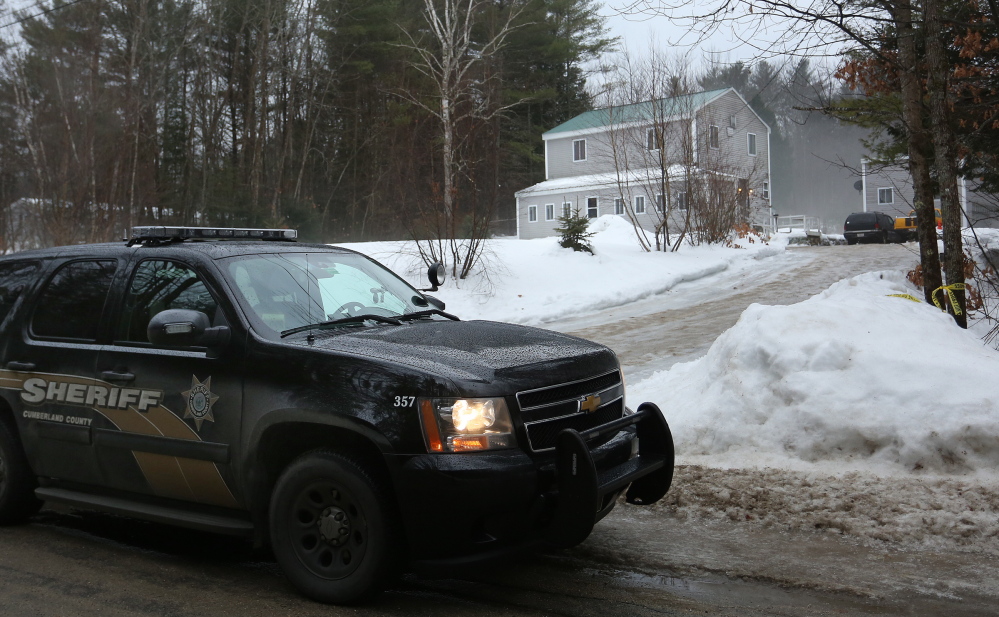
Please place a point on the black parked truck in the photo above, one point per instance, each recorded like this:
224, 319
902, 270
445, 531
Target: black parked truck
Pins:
240, 382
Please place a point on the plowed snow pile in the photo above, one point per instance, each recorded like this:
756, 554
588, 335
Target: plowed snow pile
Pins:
852, 411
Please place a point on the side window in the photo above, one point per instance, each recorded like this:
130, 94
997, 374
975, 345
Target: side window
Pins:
157, 286
14, 277
886, 196
71, 304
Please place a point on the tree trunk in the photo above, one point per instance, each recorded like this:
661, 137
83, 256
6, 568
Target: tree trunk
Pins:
946, 159
919, 149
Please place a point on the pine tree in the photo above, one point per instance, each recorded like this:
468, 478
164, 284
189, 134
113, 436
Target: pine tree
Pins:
572, 232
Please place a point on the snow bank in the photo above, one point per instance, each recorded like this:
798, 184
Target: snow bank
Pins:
850, 376
537, 281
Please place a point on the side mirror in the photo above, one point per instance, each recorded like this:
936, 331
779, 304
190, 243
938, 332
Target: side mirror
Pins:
436, 302
437, 274
184, 328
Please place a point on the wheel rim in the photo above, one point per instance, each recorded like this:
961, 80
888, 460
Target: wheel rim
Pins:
329, 530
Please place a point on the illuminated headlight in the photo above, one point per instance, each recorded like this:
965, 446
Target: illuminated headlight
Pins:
466, 424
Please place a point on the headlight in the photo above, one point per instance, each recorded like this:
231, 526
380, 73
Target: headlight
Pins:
466, 424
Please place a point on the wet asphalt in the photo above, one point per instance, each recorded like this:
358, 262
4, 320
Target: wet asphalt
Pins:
637, 562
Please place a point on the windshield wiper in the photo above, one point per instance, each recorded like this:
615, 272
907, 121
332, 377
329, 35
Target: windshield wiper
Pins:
427, 313
333, 322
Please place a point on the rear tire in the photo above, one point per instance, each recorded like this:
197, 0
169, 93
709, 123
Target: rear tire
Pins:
17, 482
333, 529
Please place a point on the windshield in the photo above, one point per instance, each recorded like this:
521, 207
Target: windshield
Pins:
290, 290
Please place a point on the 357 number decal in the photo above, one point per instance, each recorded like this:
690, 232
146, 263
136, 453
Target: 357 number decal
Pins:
405, 401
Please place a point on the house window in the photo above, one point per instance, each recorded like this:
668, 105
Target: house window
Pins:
732, 122
653, 139
579, 150
566, 209
886, 197
640, 204
681, 201
766, 190
660, 203
591, 207
549, 212
751, 144
532, 214
713, 136
619, 206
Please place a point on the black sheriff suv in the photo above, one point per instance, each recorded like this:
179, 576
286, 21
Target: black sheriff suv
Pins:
240, 382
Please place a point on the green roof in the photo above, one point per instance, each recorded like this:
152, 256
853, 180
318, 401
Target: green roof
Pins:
638, 112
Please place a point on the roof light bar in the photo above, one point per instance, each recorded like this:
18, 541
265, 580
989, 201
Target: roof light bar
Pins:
159, 232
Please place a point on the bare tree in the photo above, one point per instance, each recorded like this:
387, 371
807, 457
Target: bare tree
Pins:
822, 25
695, 194
456, 62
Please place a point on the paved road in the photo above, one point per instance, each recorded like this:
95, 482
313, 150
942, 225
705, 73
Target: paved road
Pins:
89, 564
637, 562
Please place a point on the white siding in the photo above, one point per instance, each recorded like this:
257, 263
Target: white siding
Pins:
894, 177
732, 155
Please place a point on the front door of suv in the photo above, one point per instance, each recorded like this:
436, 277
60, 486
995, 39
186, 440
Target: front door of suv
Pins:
184, 408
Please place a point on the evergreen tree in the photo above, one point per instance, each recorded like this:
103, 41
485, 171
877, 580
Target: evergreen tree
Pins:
572, 232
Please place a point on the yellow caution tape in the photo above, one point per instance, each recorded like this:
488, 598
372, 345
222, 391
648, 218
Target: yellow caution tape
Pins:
950, 289
906, 296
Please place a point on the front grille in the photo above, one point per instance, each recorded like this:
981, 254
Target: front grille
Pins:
548, 411
569, 391
542, 435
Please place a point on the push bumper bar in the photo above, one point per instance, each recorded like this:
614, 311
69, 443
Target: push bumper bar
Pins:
582, 489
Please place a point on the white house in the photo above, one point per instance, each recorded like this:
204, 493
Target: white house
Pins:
640, 161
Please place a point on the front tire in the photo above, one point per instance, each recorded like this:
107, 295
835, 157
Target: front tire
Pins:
333, 528
17, 483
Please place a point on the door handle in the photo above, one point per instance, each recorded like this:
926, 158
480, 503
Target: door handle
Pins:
116, 376
21, 366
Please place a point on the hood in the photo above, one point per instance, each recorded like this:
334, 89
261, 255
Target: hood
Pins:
482, 352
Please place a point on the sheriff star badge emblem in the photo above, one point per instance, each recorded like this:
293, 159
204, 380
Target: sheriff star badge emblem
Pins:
199, 401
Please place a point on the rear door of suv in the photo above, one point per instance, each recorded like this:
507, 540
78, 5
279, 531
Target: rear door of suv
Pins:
49, 362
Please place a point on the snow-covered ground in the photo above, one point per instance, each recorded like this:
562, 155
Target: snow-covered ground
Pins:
856, 411
533, 282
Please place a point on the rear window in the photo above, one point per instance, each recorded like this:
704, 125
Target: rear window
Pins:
71, 304
862, 220
14, 277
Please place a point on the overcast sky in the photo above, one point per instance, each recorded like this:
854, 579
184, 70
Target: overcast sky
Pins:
638, 32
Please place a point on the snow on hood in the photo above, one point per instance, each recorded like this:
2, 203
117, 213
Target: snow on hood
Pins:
850, 375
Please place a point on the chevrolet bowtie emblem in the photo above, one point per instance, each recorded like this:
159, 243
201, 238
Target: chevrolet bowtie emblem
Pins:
589, 404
